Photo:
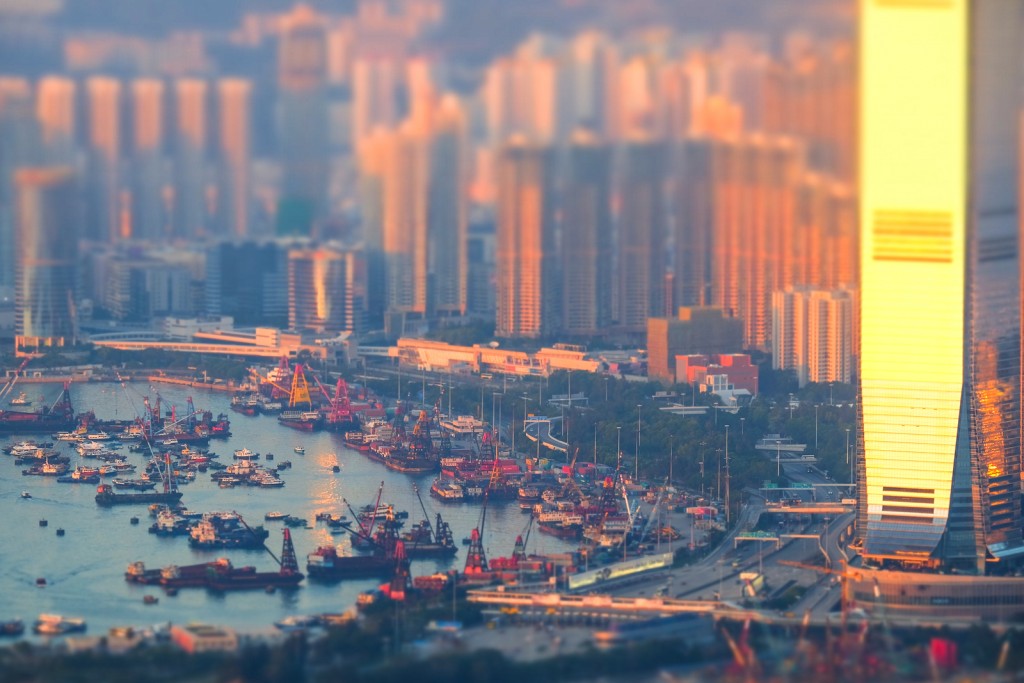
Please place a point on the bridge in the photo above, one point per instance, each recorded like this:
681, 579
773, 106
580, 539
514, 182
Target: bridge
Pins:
804, 508
601, 603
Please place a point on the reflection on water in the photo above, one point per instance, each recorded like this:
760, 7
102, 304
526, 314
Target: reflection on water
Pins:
85, 568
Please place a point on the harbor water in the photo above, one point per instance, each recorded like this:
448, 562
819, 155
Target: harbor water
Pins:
84, 568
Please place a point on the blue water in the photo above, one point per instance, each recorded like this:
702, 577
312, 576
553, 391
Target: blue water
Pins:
84, 570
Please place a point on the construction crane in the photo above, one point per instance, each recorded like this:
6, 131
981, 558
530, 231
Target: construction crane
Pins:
653, 516
14, 380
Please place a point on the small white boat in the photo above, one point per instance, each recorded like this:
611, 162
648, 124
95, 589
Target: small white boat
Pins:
274, 516
297, 623
26, 494
299, 449
21, 400
246, 454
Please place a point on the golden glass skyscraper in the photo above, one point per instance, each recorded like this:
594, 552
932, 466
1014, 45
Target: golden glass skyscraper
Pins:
940, 311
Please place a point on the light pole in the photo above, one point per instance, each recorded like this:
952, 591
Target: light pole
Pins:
671, 457
514, 428
848, 461
719, 496
742, 421
727, 475
494, 425
815, 429
606, 388
702, 445
618, 446
636, 456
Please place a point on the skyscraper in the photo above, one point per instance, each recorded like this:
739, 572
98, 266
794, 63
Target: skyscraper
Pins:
736, 228
587, 238
812, 333
55, 110
235, 148
405, 220
324, 290
104, 177
148, 213
446, 209
642, 233
302, 77
939, 478
46, 245
18, 147
528, 281
190, 149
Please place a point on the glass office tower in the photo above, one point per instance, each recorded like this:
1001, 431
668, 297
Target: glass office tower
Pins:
939, 471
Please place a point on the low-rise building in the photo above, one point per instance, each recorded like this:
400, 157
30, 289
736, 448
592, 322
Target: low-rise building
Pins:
193, 638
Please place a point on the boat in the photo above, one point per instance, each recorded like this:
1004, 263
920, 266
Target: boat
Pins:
26, 494
56, 625
246, 454
105, 496
47, 469
226, 530
21, 400
298, 623
447, 490
47, 420
275, 516
135, 484
299, 449
137, 572
12, 627
288, 576
307, 421
246, 405
326, 564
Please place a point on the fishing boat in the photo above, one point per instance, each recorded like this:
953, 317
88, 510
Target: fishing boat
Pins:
56, 625
21, 400
275, 516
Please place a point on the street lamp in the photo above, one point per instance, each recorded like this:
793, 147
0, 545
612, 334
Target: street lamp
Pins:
719, 496
495, 425
727, 475
816, 429
636, 457
606, 388
671, 457
848, 461
618, 446
742, 421
702, 445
